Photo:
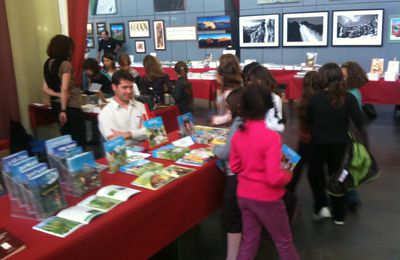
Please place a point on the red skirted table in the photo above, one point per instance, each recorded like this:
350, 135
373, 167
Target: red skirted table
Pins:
171, 71
169, 116
136, 229
374, 92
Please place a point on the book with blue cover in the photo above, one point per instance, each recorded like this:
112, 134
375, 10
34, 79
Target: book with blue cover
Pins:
31, 172
21, 166
13, 159
289, 158
186, 126
115, 153
46, 189
83, 173
54, 142
60, 150
155, 131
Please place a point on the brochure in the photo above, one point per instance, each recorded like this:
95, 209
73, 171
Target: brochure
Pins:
13, 159
115, 153
289, 158
210, 135
155, 131
70, 219
139, 167
54, 142
170, 152
186, 126
197, 157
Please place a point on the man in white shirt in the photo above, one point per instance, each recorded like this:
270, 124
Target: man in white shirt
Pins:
123, 116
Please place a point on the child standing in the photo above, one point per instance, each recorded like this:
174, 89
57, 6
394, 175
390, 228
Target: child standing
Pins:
255, 156
182, 92
232, 216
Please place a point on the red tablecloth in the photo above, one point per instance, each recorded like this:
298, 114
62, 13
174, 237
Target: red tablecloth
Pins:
169, 116
374, 92
283, 76
135, 229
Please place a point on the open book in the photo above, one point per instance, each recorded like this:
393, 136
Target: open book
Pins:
72, 218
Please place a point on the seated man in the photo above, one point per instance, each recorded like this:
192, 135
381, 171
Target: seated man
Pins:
122, 116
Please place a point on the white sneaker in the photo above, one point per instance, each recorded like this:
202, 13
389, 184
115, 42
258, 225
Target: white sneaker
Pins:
323, 213
339, 223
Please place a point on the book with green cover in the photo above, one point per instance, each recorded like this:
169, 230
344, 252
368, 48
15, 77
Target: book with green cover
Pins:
153, 180
155, 131
139, 167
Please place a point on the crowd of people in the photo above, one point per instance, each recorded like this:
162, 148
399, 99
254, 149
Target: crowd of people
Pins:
259, 193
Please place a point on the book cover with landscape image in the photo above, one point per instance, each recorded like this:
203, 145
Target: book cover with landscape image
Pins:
289, 158
155, 131
186, 127
139, 167
115, 150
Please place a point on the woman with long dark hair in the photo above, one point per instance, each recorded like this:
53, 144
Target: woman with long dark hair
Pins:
60, 85
327, 114
182, 92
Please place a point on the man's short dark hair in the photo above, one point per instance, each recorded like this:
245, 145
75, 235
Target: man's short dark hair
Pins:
121, 74
105, 31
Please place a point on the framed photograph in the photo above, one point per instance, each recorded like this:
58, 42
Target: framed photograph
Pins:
305, 29
117, 31
357, 27
261, 2
168, 6
215, 40
181, 33
90, 42
139, 28
103, 7
140, 46
259, 31
159, 35
89, 29
100, 27
394, 29
214, 23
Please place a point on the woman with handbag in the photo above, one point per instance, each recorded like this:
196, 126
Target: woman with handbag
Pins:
328, 113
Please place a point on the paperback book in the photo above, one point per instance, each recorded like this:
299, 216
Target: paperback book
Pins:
139, 167
186, 126
196, 157
70, 219
83, 173
9, 244
13, 159
289, 158
155, 131
177, 171
153, 180
170, 152
54, 142
115, 153
136, 156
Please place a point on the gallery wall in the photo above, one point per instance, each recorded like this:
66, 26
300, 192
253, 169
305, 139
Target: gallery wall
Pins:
144, 10
189, 50
296, 55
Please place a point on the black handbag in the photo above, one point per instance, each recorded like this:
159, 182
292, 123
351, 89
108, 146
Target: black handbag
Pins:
369, 111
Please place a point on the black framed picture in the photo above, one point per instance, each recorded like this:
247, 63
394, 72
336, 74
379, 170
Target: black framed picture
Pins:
103, 7
215, 40
357, 27
259, 30
159, 35
140, 46
214, 23
90, 42
117, 31
100, 27
305, 29
168, 6
139, 29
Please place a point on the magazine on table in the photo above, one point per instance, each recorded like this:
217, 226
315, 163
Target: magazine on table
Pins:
196, 157
139, 167
289, 158
155, 131
115, 150
169, 152
210, 135
186, 126
72, 218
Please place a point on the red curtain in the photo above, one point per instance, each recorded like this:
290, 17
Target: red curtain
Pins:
9, 108
77, 20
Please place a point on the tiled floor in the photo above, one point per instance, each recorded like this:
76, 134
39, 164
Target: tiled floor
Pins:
371, 233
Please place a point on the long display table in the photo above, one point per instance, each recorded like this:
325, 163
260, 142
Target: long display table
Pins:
136, 229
